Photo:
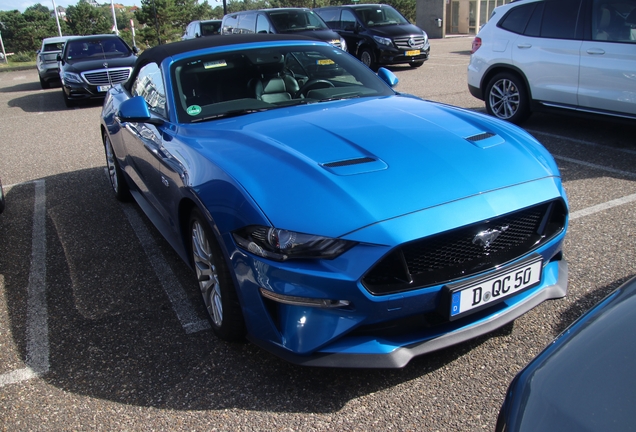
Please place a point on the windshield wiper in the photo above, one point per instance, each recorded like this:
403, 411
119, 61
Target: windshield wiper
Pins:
233, 113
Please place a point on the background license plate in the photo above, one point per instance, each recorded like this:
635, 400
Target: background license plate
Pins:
413, 53
103, 88
497, 287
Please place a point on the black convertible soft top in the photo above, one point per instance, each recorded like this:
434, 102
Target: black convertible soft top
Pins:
159, 53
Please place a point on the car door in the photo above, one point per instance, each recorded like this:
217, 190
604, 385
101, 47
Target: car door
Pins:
144, 141
608, 59
548, 51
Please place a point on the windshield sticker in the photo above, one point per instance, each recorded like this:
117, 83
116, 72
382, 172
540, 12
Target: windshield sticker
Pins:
215, 64
324, 62
194, 110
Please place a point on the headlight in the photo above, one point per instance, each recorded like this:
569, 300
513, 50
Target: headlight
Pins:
343, 44
280, 245
383, 40
71, 77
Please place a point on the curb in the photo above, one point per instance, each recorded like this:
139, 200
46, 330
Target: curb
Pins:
16, 68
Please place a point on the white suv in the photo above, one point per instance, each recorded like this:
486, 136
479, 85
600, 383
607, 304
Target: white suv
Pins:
570, 54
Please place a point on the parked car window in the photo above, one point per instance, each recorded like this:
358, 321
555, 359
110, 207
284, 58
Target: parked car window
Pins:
262, 24
348, 21
517, 19
375, 16
247, 23
614, 21
230, 23
331, 17
53, 47
560, 19
534, 24
84, 49
149, 85
210, 28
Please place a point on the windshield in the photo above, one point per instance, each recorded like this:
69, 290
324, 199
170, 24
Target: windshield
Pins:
242, 82
96, 49
380, 16
296, 20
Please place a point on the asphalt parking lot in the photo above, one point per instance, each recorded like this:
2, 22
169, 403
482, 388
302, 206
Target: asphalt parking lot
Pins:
102, 327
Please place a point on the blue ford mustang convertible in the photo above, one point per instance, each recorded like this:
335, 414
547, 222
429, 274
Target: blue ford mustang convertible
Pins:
331, 220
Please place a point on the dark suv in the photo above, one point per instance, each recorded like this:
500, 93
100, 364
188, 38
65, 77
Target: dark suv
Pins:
90, 65
378, 34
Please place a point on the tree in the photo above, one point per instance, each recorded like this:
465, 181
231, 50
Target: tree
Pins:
85, 19
23, 32
170, 19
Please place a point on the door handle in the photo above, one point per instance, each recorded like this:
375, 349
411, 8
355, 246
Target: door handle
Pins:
595, 51
524, 46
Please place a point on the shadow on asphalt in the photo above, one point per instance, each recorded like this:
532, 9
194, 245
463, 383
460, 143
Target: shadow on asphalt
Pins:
113, 334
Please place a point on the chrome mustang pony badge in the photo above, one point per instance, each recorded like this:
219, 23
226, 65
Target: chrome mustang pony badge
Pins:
487, 237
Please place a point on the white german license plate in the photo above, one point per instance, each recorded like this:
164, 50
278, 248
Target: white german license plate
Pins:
412, 53
103, 88
493, 288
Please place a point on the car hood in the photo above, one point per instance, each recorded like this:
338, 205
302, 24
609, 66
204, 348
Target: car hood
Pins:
334, 167
86, 65
320, 34
396, 30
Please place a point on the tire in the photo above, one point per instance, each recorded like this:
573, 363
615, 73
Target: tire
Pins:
507, 98
416, 64
366, 57
44, 84
115, 175
69, 103
215, 281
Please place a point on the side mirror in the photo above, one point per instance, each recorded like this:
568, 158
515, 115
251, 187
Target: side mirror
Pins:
135, 50
388, 77
136, 110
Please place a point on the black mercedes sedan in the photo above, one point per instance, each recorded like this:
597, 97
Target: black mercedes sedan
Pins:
90, 65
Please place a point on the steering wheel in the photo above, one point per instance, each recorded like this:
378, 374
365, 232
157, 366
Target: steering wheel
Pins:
313, 84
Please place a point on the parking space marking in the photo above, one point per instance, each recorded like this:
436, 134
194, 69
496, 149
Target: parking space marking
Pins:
595, 166
579, 141
37, 332
603, 206
181, 304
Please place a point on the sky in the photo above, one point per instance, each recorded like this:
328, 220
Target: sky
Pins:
21, 5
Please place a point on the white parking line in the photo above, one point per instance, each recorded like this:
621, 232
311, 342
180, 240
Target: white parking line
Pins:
595, 166
603, 206
578, 141
181, 305
37, 332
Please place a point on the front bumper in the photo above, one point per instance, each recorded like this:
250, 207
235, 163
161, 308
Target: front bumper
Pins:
82, 91
394, 56
49, 73
396, 352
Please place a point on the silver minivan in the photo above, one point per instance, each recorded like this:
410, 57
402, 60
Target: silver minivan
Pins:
299, 21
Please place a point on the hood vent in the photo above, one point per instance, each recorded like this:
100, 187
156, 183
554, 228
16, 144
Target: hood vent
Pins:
354, 166
348, 162
485, 139
481, 136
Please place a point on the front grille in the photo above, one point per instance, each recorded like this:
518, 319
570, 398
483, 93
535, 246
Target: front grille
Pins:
402, 43
459, 253
107, 76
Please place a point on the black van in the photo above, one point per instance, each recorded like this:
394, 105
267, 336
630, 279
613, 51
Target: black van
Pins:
378, 34
300, 21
